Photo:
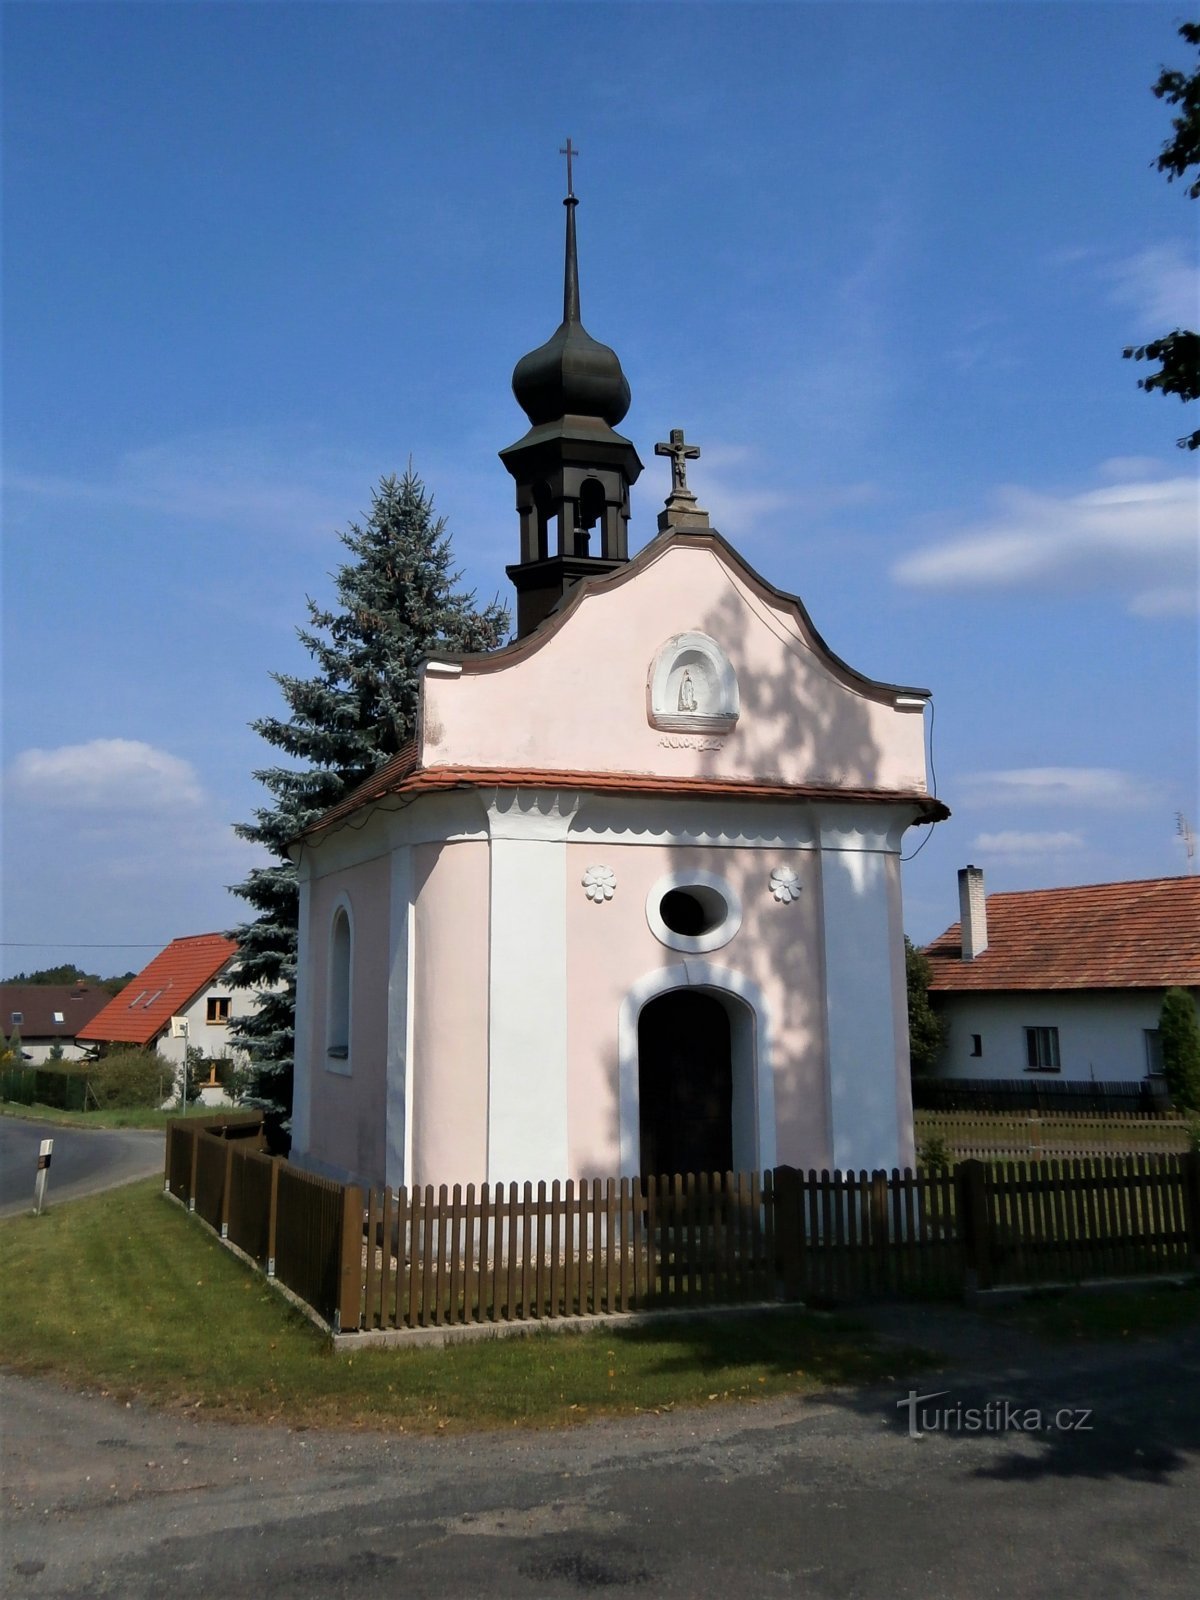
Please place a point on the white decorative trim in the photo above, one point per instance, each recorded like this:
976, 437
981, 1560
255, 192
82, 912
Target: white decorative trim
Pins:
692, 820
700, 943
342, 1065
398, 1090
753, 1067
529, 813
718, 706
302, 1067
599, 883
784, 885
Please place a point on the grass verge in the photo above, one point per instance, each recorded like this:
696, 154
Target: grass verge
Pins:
126, 1294
1144, 1313
124, 1117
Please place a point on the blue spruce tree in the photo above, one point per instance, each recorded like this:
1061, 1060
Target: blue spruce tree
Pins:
397, 599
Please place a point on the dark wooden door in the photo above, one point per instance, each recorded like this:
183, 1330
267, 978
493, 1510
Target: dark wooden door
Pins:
685, 1082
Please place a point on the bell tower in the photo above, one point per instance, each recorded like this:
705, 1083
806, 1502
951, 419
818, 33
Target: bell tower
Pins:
572, 471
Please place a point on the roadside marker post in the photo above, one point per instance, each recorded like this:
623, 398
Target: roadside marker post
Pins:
43, 1173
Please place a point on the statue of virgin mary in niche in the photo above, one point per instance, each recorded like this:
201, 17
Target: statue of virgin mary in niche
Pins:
687, 692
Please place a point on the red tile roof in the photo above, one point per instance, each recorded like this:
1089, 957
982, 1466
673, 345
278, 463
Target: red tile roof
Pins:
38, 1005
1141, 935
171, 982
401, 776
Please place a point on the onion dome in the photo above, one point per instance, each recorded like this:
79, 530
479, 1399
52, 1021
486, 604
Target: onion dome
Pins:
572, 373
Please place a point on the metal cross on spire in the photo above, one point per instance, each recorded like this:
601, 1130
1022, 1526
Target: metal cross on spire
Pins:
570, 152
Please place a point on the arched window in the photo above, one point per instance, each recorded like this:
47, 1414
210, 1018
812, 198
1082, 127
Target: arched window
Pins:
591, 512
337, 1000
543, 508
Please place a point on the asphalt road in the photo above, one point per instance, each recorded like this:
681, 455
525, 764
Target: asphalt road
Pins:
827, 1497
84, 1160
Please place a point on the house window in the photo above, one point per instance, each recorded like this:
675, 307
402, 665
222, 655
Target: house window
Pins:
58, 1017
18, 1017
976, 1044
1154, 1064
337, 1005
1041, 1050
217, 1008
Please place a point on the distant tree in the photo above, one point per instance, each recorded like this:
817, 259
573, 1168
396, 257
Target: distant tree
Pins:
397, 599
1178, 352
69, 973
1179, 1036
926, 1028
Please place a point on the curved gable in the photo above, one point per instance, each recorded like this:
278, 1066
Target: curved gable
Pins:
578, 693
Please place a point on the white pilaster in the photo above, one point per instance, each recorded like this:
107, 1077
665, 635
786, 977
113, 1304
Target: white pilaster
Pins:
302, 1050
860, 1006
398, 1125
527, 1021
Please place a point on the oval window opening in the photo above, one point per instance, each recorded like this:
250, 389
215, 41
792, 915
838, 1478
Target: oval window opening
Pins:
693, 912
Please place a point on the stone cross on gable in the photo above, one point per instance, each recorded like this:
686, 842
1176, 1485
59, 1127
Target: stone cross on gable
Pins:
681, 511
680, 454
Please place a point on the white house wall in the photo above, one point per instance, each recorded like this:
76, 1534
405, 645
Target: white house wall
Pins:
1101, 1034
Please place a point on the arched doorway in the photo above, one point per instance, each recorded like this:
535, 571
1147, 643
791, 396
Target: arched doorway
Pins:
685, 1083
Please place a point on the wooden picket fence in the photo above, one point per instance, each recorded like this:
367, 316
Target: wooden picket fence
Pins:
457, 1256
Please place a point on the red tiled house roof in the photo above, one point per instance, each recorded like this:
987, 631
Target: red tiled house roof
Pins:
40, 1005
170, 983
1141, 935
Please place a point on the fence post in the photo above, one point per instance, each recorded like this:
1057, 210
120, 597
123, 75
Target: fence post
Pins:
974, 1225
789, 1237
1190, 1169
167, 1163
226, 1187
350, 1285
880, 1233
272, 1215
195, 1164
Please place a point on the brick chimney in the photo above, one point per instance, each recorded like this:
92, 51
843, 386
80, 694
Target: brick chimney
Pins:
972, 911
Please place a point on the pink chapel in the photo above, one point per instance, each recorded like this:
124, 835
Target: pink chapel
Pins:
630, 902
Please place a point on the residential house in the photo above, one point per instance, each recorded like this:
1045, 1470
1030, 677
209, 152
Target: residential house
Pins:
189, 981
48, 1015
1063, 983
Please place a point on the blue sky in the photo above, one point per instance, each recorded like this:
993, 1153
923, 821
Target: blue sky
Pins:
879, 261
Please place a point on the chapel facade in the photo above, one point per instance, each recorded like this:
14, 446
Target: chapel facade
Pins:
630, 902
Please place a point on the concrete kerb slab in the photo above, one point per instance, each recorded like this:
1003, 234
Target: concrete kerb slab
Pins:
1012, 1294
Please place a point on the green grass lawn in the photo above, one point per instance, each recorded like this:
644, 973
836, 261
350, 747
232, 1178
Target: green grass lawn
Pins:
127, 1294
128, 1117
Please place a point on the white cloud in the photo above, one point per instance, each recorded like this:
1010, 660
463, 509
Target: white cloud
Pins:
1139, 538
1162, 285
1118, 467
105, 775
1075, 788
1011, 843
285, 486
